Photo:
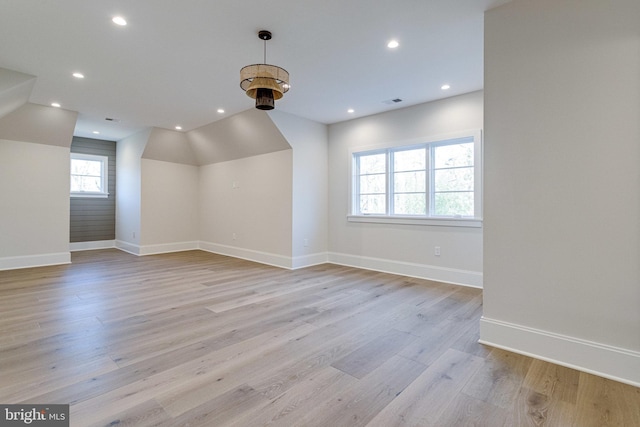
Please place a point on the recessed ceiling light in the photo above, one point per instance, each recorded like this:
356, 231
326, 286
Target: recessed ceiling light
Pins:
119, 20
393, 44
220, 110
96, 132
178, 127
445, 87
78, 75
350, 110
55, 104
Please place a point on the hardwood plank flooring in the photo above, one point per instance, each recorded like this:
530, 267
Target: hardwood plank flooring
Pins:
197, 339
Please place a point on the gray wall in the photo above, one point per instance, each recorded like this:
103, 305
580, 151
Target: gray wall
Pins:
94, 219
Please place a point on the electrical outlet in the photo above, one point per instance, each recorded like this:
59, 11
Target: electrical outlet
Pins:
234, 236
306, 242
133, 234
437, 251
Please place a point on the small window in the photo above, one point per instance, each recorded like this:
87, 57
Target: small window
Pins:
89, 175
453, 179
372, 183
430, 180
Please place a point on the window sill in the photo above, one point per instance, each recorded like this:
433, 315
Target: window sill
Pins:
408, 220
89, 195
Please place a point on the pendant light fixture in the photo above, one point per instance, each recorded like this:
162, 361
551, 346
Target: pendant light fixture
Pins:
263, 82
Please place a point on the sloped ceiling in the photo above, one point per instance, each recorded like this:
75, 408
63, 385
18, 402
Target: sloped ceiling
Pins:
27, 122
246, 134
169, 146
15, 89
40, 125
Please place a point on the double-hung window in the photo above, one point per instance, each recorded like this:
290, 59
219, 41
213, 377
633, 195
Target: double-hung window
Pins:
428, 180
89, 175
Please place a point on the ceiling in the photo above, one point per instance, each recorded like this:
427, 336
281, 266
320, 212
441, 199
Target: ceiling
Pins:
177, 63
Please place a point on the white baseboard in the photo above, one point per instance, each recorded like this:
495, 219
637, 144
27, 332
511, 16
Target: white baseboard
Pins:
309, 260
233, 251
441, 274
168, 247
156, 249
248, 254
40, 260
595, 358
89, 246
128, 247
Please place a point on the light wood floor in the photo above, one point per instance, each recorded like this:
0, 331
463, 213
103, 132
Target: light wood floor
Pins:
204, 340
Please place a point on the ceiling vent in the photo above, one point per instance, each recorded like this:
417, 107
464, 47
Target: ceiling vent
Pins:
392, 101
109, 119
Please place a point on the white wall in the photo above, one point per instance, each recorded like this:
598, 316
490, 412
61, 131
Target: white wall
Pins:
403, 249
309, 141
562, 183
128, 195
169, 208
34, 186
34, 204
252, 199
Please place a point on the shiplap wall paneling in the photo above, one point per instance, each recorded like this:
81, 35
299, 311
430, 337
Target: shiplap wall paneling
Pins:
94, 219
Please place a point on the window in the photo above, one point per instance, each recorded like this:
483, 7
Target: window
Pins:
431, 180
89, 175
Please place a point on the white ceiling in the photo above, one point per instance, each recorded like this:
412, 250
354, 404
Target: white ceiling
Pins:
177, 62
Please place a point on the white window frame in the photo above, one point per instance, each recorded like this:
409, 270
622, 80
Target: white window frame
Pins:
104, 175
474, 136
